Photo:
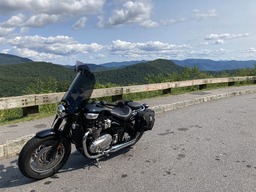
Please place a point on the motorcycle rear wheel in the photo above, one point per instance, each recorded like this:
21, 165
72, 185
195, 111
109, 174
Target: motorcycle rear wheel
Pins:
43, 157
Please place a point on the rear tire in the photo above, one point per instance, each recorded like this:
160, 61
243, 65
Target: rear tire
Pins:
38, 158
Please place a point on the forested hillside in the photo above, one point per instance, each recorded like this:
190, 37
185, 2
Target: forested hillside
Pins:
138, 73
42, 77
38, 77
19, 79
7, 59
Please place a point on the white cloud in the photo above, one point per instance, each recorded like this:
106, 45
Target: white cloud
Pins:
41, 20
252, 50
37, 13
219, 41
80, 23
16, 20
226, 36
7, 6
200, 15
137, 12
4, 31
222, 38
131, 12
50, 7
150, 49
58, 46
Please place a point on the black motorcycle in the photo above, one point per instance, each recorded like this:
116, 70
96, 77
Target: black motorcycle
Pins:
96, 128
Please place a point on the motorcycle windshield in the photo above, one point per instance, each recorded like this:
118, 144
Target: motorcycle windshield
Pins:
81, 88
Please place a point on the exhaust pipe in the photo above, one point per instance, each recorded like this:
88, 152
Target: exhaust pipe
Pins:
111, 150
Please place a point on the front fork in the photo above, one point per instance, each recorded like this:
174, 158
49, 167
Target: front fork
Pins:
53, 132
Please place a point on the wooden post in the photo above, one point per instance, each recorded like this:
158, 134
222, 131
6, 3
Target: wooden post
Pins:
30, 111
203, 86
117, 97
167, 91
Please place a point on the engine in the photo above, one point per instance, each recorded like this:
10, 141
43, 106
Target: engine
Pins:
100, 139
101, 144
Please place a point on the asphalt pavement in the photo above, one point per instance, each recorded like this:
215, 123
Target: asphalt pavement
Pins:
14, 136
202, 148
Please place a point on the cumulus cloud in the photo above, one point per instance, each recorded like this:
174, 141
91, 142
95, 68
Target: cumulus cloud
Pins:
222, 38
139, 12
131, 12
4, 31
16, 20
41, 20
146, 49
52, 7
55, 46
37, 13
7, 6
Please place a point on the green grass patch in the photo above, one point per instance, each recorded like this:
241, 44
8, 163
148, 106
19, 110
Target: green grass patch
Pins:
12, 116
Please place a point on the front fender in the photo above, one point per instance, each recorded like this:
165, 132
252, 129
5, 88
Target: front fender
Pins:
46, 133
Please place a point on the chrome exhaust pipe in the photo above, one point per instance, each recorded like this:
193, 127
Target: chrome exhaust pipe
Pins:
111, 150
116, 148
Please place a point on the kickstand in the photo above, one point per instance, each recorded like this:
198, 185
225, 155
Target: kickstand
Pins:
97, 163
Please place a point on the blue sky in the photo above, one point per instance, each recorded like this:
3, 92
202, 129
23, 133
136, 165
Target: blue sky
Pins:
101, 31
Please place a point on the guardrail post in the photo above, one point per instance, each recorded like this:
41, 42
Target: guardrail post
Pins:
29, 111
203, 86
167, 91
116, 98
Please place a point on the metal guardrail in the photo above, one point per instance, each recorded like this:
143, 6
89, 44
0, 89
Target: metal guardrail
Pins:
30, 103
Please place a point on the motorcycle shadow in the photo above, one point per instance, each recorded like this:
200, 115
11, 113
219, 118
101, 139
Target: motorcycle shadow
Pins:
78, 161
11, 177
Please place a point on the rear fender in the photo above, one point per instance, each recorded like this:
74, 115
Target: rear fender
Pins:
46, 133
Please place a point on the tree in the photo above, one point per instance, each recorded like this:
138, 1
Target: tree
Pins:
42, 86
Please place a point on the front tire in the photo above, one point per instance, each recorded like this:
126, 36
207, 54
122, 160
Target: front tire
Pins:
43, 157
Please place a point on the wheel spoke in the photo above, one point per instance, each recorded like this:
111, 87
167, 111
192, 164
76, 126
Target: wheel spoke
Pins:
40, 161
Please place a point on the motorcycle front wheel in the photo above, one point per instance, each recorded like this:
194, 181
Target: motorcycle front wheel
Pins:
43, 157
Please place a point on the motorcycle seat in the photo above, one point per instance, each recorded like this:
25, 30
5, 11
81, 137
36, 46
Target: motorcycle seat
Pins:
122, 113
134, 105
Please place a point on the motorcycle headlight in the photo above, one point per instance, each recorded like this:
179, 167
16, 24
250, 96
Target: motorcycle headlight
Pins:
61, 111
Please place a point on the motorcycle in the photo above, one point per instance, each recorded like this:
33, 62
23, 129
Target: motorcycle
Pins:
96, 128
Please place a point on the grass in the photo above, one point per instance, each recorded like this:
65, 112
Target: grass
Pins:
12, 116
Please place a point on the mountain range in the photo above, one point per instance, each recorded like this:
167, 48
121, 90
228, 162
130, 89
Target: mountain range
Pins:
202, 64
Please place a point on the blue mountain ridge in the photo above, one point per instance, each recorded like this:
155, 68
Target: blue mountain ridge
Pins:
202, 64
